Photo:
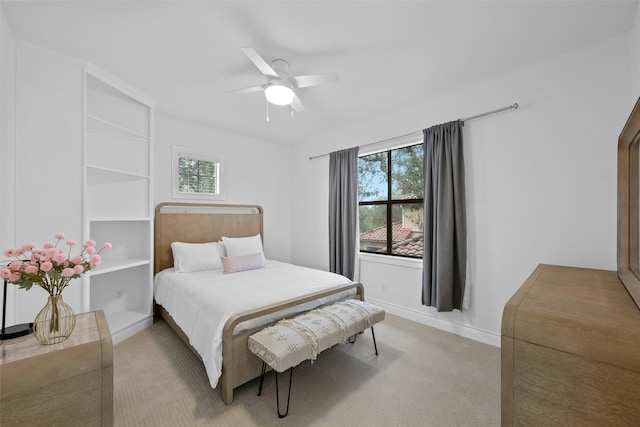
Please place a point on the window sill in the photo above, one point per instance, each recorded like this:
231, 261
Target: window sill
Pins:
391, 260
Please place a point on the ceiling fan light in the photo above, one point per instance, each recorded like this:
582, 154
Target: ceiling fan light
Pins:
279, 95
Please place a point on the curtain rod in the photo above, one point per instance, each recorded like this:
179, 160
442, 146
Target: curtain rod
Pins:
466, 119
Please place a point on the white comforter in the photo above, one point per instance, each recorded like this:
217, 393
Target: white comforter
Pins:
201, 302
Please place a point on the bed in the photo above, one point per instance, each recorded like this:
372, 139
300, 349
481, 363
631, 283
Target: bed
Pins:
234, 365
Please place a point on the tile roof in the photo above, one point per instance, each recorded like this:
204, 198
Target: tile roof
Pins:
403, 242
411, 247
379, 234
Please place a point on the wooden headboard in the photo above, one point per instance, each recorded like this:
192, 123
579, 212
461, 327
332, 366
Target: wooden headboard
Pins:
200, 223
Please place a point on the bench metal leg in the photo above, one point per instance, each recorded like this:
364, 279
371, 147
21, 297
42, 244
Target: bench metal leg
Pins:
352, 340
264, 369
374, 340
288, 395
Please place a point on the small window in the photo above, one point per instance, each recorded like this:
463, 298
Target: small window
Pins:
196, 174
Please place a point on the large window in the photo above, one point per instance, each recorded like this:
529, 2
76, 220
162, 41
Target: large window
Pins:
197, 174
390, 191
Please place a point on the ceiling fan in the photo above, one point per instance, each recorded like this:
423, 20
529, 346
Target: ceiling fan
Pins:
282, 88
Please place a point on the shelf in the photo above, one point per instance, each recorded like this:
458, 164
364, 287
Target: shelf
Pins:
117, 202
122, 219
105, 127
109, 266
120, 320
100, 175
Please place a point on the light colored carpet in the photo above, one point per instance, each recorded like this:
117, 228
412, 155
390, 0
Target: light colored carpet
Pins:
422, 377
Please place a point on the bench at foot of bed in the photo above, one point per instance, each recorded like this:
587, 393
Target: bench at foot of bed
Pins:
292, 341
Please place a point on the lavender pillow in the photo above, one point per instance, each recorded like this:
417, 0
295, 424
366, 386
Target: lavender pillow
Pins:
242, 263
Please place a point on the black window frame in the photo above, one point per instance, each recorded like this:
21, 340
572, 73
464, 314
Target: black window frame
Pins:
389, 203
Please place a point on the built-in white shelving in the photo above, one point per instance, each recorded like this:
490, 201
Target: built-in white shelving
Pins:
118, 201
100, 175
96, 125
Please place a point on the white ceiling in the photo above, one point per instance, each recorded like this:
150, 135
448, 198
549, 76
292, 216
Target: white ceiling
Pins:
186, 54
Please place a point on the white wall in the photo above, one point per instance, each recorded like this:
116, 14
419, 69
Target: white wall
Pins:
635, 58
541, 181
7, 148
48, 175
255, 172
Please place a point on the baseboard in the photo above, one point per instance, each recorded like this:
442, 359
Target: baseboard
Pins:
132, 330
429, 320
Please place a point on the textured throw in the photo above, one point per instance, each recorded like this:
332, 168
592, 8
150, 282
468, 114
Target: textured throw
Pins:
292, 341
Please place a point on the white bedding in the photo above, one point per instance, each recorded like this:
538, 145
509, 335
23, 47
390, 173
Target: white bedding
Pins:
201, 302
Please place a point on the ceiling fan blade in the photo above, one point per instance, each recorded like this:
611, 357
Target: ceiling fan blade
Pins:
296, 104
257, 60
315, 79
249, 89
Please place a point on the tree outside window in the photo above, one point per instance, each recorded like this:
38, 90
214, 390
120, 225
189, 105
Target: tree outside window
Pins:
197, 176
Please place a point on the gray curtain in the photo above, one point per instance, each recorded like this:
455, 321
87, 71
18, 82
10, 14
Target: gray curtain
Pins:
445, 231
343, 211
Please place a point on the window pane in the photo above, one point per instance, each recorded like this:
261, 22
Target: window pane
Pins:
372, 177
373, 228
197, 176
408, 221
406, 173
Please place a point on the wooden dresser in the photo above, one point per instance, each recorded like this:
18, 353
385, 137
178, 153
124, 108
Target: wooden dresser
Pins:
571, 351
66, 384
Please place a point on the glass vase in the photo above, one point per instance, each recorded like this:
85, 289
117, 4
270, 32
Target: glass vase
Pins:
55, 322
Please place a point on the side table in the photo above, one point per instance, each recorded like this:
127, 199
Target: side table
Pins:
65, 384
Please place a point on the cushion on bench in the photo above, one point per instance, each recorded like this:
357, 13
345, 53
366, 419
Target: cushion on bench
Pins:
292, 341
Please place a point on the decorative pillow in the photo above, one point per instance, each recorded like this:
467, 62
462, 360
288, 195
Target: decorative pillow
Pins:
240, 246
190, 257
243, 263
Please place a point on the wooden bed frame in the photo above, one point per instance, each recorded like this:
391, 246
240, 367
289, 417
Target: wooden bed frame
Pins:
200, 223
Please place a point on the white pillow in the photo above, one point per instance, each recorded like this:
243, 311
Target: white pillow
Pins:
241, 246
190, 257
224, 249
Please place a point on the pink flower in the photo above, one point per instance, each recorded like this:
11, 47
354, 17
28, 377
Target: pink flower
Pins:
67, 272
60, 258
30, 269
50, 267
27, 247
